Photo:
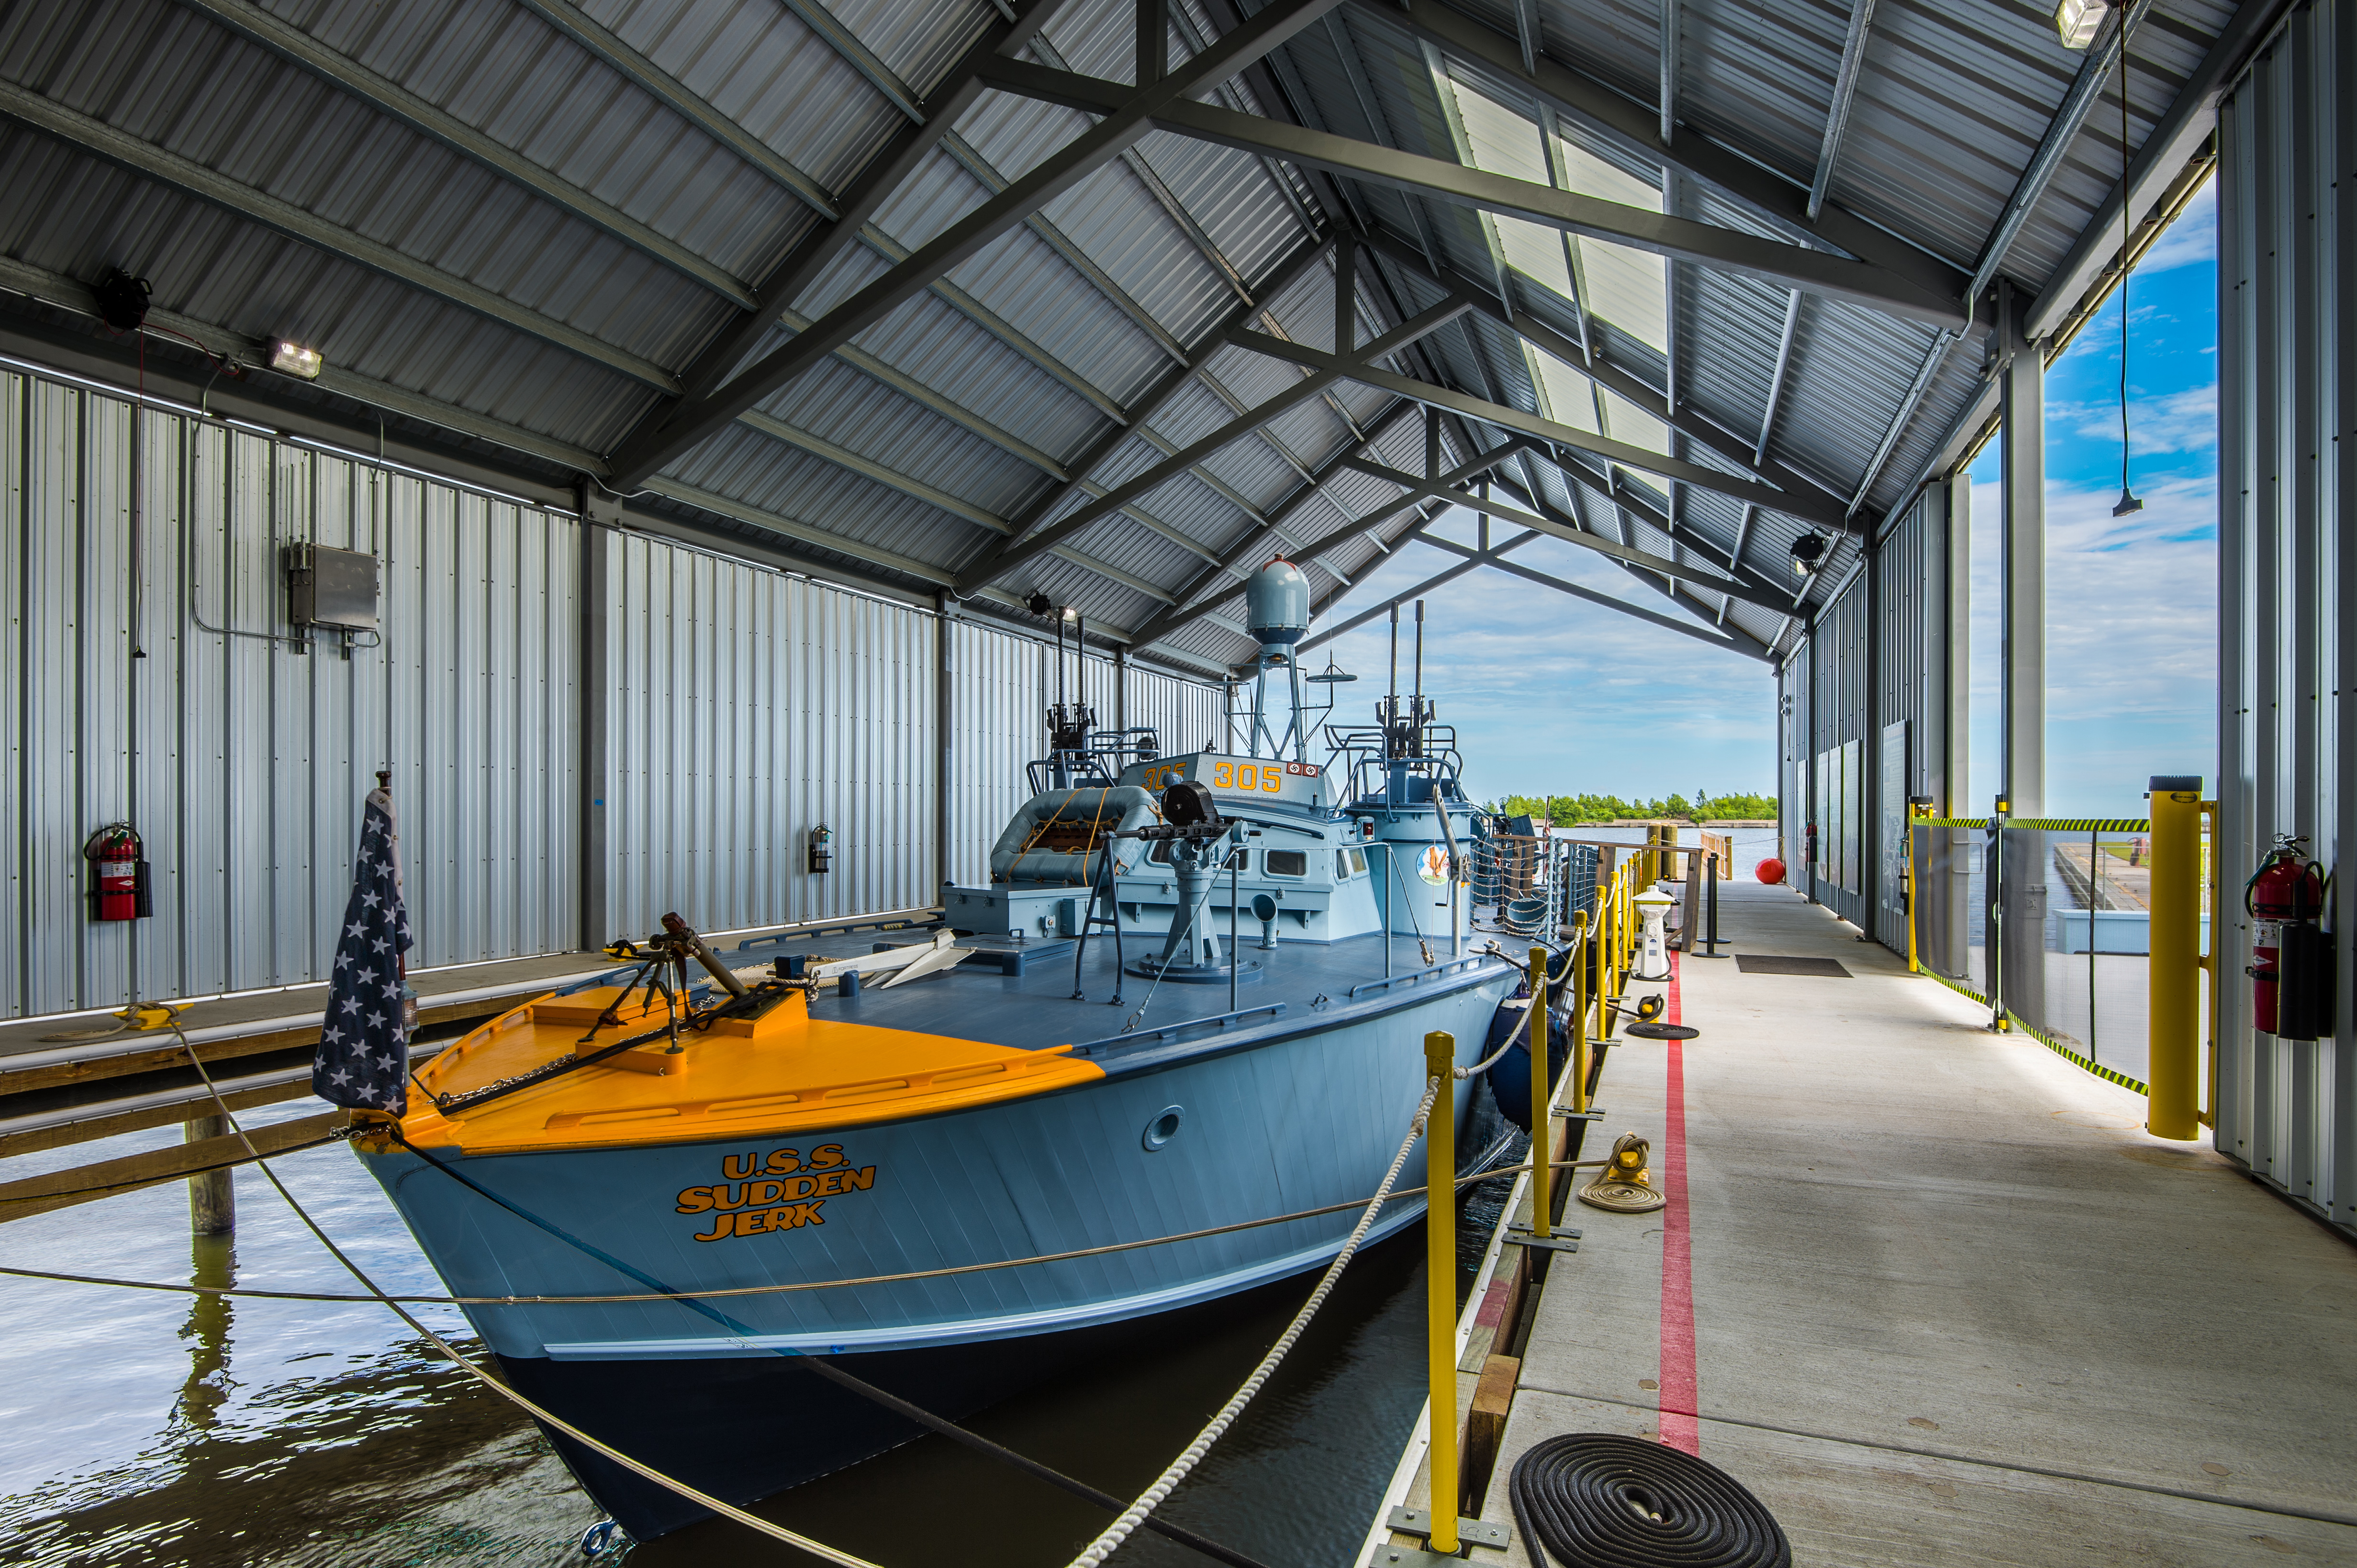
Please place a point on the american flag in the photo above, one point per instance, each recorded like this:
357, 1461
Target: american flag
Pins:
364, 1056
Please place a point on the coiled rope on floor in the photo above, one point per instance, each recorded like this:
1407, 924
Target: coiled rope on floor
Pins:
1106, 1544
728, 1510
1598, 1499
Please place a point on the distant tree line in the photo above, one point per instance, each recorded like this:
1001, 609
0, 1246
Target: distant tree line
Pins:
1566, 811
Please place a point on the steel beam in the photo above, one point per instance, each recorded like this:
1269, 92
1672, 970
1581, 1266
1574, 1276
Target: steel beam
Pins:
1672, 588
72, 294
1547, 430
1853, 61
1635, 126
1828, 507
291, 43
1135, 418
1579, 591
1783, 365
693, 421
1669, 98
1228, 561
1418, 485
845, 214
1188, 457
1840, 278
185, 175
2054, 147
571, 22
848, 47
2173, 142
1352, 528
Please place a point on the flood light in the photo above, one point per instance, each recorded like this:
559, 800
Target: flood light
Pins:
1808, 553
293, 360
2078, 20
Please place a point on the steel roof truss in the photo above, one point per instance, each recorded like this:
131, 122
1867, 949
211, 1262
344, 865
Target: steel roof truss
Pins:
1635, 126
691, 421
1515, 420
185, 175
1187, 457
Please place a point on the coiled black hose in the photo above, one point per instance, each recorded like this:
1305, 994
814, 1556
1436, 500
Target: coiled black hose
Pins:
1598, 1501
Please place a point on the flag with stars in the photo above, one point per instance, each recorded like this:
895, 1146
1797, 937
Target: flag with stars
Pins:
364, 1056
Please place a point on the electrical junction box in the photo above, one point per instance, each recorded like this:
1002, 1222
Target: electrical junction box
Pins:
334, 588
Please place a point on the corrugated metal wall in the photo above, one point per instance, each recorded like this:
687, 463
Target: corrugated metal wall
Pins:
1840, 714
2288, 569
241, 760
1911, 609
748, 707
742, 707
1868, 687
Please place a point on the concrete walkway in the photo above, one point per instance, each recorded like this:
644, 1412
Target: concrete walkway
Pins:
1949, 1303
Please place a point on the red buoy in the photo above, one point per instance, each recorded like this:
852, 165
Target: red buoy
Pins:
1771, 871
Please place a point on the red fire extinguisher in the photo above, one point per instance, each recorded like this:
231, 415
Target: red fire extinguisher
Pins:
118, 889
2285, 896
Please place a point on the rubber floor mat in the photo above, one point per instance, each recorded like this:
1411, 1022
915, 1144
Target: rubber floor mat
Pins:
1779, 963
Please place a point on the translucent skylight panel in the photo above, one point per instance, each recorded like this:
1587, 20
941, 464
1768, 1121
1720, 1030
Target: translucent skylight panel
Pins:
1570, 396
1624, 286
1628, 423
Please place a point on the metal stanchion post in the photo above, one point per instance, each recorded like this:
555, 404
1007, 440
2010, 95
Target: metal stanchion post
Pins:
1440, 1283
2174, 971
1542, 1099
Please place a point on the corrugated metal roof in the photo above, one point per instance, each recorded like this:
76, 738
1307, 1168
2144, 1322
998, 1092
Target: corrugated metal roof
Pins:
265, 196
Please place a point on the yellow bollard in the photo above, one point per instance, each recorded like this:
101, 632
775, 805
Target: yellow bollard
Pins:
2173, 973
1578, 1064
1542, 1095
1440, 1283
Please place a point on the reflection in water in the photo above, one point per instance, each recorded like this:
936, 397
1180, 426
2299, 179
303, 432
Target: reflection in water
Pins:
213, 1262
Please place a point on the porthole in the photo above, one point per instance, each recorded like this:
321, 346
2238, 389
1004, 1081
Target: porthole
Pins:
1164, 1127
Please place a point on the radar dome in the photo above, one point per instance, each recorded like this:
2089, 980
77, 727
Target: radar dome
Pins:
1277, 605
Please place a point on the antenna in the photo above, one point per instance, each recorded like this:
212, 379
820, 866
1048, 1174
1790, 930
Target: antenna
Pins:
1391, 698
1415, 711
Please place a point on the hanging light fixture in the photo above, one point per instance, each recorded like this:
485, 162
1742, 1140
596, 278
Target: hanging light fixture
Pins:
2128, 503
1808, 553
2079, 20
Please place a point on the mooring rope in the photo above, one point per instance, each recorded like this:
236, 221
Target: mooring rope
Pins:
727, 1510
1104, 1545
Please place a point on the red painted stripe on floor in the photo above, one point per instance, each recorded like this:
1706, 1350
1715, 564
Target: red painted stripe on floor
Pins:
1679, 1428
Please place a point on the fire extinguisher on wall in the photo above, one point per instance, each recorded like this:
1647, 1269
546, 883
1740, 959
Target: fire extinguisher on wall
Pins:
2291, 957
118, 861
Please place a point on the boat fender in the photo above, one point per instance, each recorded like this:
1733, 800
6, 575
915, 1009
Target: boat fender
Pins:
1510, 1077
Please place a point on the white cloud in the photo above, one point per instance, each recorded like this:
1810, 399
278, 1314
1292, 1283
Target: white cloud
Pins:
2184, 421
1554, 694
2131, 642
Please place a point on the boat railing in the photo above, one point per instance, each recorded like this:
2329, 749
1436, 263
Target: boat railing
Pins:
1164, 1033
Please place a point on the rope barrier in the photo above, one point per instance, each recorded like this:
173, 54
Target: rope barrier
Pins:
246, 1292
1104, 1545
549, 1418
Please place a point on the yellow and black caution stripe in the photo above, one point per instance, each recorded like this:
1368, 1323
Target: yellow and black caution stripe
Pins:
2048, 1041
2067, 1054
2044, 824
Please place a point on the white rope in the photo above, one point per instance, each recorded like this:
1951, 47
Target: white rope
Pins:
752, 1521
1104, 1545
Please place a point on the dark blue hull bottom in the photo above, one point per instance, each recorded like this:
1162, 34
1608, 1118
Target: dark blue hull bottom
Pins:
744, 1428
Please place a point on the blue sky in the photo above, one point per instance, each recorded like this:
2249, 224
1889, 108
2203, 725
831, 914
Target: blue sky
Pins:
1554, 695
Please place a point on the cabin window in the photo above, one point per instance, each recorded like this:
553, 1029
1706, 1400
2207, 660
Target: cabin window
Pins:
1357, 861
1288, 862
1341, 866
1160, 854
